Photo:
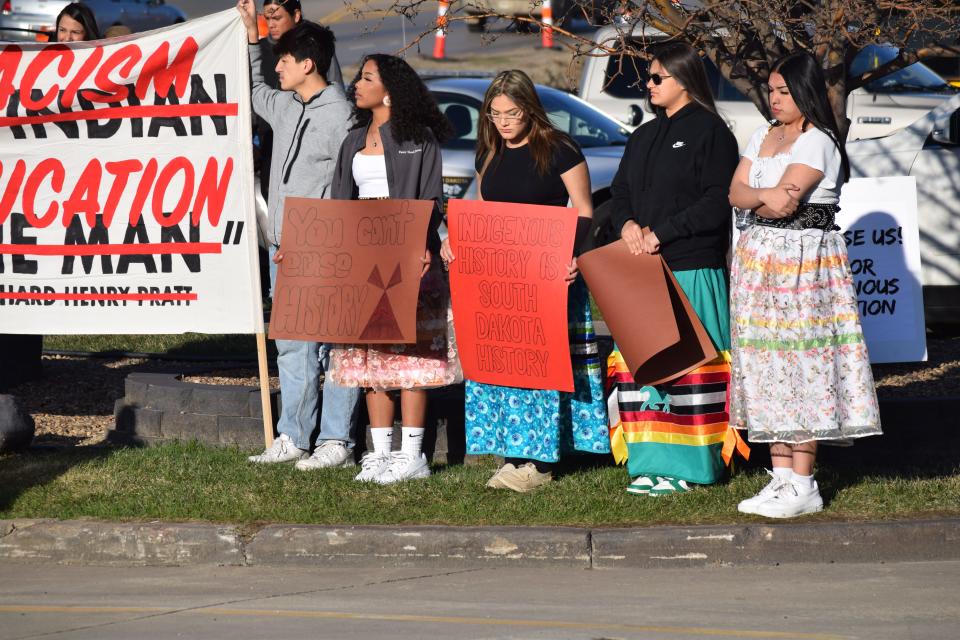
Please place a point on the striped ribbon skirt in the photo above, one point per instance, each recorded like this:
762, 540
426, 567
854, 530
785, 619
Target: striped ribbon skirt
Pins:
680, 428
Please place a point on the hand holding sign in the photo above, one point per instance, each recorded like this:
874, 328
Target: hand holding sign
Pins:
509, 289
350, 270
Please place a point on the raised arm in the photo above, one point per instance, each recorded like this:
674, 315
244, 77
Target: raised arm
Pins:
263, 98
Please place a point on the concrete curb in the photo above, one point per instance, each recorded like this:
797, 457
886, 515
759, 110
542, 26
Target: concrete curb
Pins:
420, 545
160, 544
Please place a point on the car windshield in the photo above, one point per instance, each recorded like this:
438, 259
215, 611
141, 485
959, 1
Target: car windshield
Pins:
915, 77
588, 126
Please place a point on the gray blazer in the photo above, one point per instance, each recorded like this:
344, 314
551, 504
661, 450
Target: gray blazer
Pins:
414, 172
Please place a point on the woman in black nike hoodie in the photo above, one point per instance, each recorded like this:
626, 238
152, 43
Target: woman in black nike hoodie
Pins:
670, 196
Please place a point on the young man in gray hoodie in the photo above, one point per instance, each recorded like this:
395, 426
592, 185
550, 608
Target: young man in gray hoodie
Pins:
310, 118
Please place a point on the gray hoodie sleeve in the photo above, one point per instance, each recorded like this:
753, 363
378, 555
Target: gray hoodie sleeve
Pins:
264, 98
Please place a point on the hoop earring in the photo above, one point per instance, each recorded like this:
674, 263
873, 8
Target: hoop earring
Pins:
386, 101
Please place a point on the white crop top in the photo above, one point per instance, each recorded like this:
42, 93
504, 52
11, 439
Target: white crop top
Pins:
370, 174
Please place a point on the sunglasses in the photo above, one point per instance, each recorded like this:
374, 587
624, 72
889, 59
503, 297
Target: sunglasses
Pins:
657, 78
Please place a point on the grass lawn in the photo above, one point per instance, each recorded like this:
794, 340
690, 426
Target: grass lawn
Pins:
190, 482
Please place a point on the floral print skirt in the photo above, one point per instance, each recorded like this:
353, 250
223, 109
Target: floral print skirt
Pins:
800, 366
539, 425
430, 362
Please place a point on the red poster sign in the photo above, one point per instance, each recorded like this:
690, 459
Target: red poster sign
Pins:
350, 270
509, 293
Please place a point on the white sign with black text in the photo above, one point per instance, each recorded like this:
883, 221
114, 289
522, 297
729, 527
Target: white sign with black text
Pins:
878, 219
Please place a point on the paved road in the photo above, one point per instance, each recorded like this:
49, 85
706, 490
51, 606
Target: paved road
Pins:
390, 33
896, 601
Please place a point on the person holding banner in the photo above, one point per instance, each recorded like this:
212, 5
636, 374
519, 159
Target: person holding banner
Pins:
523, 158
309, 118
394, 152
801, 372
669, 196
281, 16
76, 23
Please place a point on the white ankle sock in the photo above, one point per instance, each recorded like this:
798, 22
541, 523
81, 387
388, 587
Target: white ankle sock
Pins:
804, 484
784, 473
382, 439
411, 440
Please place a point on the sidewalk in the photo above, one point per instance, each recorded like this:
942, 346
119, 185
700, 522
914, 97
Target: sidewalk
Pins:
162, 544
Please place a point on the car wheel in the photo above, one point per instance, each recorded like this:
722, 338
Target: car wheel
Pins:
476, 25
523, 26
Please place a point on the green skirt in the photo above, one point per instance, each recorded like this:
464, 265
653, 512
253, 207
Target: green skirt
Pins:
685, 438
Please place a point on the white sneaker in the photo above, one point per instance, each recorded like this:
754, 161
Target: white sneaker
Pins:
404, 466
282, 450
372, 464
750, 504
790, 503
330, 453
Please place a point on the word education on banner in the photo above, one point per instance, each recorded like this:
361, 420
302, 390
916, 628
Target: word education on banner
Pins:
126, 184
350, 271
509, 292
878, 219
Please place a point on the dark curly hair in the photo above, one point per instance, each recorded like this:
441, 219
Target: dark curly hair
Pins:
413, 111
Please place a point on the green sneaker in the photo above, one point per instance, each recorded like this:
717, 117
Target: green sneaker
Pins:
668, 486
641, 485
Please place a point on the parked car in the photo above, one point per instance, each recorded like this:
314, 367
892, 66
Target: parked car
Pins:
32, 19
883, 106
561, 9
929, 150
601, 137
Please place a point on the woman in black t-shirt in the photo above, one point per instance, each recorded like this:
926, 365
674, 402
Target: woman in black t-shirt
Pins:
523, 158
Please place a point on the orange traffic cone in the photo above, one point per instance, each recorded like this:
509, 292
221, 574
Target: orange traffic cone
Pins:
440, 41
546, 34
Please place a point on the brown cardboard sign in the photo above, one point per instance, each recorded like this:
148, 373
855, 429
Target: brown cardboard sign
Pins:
350, 271
651, 320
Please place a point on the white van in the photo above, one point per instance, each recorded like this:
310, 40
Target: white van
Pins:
929, 150
885, 105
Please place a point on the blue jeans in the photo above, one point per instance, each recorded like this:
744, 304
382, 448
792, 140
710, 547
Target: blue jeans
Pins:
300, 364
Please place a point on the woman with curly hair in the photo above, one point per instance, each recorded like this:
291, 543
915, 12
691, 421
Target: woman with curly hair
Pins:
394, 152
522, 157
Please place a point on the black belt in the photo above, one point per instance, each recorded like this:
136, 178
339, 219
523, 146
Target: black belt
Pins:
808, 216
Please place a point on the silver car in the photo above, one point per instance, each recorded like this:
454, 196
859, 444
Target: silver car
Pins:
601, 137
32, 19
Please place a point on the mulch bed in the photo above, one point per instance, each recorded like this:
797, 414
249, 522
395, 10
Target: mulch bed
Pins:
73, 404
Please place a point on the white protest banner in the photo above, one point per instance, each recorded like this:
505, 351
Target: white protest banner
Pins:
126, 184
878, 219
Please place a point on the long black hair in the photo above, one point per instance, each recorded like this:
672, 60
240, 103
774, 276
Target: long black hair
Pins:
808, 88
413, 111
82, 14
683, 63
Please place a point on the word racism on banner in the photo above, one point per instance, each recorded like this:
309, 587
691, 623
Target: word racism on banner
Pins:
126, 184
878, 217
350, 270
509, 292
